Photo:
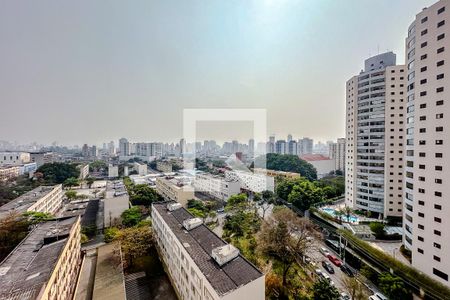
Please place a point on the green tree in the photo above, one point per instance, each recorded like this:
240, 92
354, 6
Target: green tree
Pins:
111, 233
71, 195
13, 229
304, 195
393, 286
288, 163
286, 238
354, 288
55, 173
378, 229
236, 200
35, 217
98, 166
135, 242
71, 181
142, 194
323, 290
90, 181
132, 216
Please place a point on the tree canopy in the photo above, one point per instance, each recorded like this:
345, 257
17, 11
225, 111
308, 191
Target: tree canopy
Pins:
142, 194
323, 290
288, 163
393, 286
135, 242
131, 217
57, 172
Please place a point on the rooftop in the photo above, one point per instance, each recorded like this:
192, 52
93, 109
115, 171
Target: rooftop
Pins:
25, 270
314, 157
22, 203
199, 243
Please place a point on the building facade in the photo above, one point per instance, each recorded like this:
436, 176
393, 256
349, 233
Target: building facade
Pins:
216, 186
175, 189
337, 153
250, 181
374, 97
427, 142
200, 264
14, 158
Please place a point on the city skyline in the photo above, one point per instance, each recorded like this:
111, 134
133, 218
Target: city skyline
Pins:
87, 82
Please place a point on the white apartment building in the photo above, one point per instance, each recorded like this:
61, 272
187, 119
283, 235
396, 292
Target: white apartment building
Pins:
427, 168
253, 182
176, 189
216, 186
84, 171
305, 146
337, 153
113, 171
140, 168
374, 135
47, 199
14, 158
200, 264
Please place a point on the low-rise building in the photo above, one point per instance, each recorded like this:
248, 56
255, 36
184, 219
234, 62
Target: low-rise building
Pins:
14, 158
199, 263
9, 172
323, 165
46, 199
274, 173
42, 157
28, 168
216, 186
84, 171
140, 168
45, 264
250, 181
113, 171
176, 189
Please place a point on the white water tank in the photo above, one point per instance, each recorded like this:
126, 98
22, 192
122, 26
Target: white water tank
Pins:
190, 224
224, 254
173, 206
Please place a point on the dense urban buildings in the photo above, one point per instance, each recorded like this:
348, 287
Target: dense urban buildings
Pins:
427, 166
175, 189
375, 136
14, 158
199, 263
45, 264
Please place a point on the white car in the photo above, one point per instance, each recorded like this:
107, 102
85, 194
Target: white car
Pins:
324, 251
378, 296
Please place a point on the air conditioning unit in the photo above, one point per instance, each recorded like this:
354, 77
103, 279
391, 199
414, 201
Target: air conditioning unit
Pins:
190, 224
224, 254
173, 206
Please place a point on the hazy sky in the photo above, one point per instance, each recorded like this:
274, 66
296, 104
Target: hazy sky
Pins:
91, 71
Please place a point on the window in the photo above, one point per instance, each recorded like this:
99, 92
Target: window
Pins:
438, 155
422, 191
439, 102
439, 129
422, 118
423, 45
423, 81
423, 57
420, 226
441, 23
422, 167
423, 69
422, 215
424, 20
438, 168
423, 105
420, 250
440, 76
438, 220
441, 10
436, 258
441, 36
440, 89
438, 206
425, 31
421, 239
438, 181
440, 63
440, 50
424, 93
440, 274
437, 232
440, 116
438, 194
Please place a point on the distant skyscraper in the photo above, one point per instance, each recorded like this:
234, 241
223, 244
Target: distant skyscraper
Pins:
305, 146
337, 152
124, 147
289, 138
292, 147
251, 147
280, 147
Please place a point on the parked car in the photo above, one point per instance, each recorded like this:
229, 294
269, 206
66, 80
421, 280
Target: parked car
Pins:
324, 251
327, 266
334, 260
220, 210
347, 270
378, 296
344, 296
327, 277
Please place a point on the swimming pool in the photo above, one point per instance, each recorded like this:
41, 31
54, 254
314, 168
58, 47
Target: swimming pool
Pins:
332, 212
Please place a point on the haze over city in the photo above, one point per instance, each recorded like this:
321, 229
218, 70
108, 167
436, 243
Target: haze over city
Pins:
89, 72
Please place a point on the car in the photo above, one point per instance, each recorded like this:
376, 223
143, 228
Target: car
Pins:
319, 272
344, 296
324, 251
327, 266
327, 277
347, 270
220, 210
378, 296
334, 260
